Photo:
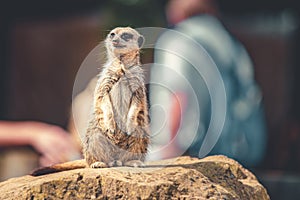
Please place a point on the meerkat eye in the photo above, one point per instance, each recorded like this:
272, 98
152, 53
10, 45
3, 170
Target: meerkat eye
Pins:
112, 35
126, 36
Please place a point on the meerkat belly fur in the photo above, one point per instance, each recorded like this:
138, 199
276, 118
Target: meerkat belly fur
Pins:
118, 133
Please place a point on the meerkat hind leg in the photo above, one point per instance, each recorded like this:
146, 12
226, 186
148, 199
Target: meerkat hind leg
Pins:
134, 163
98, 165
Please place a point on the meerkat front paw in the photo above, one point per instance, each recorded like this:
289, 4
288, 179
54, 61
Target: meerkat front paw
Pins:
131, 129
98, 164
110, 129
135, 130
111, 126
134, 163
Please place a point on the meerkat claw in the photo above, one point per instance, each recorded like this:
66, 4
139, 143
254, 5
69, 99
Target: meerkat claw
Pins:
98, 165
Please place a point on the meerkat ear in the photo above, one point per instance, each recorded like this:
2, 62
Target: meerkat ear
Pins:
141, 41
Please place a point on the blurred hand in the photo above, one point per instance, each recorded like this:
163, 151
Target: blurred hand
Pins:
178, 10
53, 143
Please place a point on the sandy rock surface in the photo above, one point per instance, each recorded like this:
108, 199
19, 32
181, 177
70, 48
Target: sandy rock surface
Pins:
214, 177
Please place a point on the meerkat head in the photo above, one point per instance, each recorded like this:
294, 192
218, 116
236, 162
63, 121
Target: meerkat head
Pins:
123, 40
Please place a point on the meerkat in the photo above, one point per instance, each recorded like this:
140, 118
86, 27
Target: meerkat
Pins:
118, 132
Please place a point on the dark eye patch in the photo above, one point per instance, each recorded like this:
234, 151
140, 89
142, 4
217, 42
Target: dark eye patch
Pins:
126, 36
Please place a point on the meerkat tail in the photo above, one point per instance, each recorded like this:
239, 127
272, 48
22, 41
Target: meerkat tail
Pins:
76, 164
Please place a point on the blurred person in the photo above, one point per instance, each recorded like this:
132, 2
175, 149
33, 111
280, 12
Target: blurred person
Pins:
243, 136
53, 143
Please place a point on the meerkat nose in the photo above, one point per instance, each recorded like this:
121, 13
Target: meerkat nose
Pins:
115, 41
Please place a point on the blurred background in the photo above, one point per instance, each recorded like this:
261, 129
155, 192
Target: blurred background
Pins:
43, 43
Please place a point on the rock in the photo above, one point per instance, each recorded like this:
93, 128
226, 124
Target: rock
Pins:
214, 177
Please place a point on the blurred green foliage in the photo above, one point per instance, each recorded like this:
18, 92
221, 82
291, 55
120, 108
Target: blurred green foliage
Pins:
135, 13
